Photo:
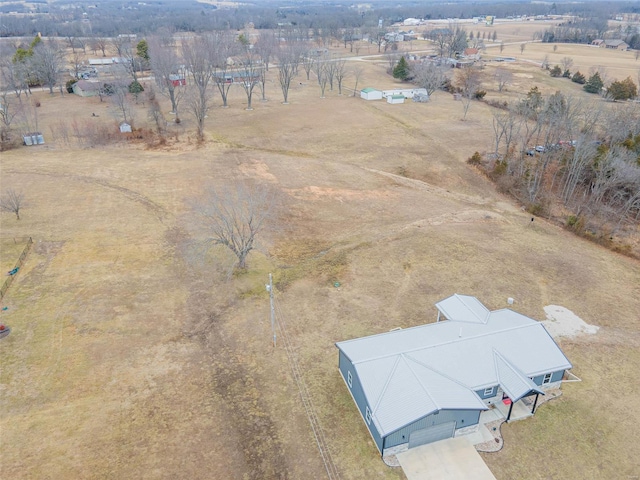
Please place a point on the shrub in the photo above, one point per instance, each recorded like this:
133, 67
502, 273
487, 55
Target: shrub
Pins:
475, 159
500, 168
566, 74
555, 71
70, 83
623, 90
479, 95
578, 78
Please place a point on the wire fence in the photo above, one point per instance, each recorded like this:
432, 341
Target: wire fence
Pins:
305, 396
14, 272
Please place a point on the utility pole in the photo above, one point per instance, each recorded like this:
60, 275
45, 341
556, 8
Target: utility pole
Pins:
273, 314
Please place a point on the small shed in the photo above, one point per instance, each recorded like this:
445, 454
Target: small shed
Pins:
395, 99
33, 138
125, 127
370, 94
178, 80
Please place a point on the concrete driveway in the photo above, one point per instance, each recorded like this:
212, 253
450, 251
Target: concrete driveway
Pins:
451, 459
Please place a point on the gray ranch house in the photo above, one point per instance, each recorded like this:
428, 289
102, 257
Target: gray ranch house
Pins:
431, 382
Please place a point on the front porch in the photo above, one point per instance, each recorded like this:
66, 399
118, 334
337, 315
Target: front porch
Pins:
518, 410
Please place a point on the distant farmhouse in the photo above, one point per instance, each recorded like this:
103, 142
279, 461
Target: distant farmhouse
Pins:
431, 382
611, 44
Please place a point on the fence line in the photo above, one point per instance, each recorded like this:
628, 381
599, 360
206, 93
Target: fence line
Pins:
19, 263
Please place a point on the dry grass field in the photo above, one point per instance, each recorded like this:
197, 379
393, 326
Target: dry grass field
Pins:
130, 357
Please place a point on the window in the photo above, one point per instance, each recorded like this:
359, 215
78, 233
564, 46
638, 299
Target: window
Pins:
547, 378
368, 416
488, 392
349, 379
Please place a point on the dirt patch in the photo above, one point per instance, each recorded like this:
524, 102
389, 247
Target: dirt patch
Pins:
562, 322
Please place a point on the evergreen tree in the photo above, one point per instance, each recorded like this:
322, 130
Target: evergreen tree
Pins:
594, 84
401, 70
623, 90
555, 71
578, 78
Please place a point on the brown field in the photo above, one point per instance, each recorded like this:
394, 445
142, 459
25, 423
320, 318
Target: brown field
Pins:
130, 357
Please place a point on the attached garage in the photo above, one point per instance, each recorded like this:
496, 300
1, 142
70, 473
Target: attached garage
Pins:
433, 434
424, 384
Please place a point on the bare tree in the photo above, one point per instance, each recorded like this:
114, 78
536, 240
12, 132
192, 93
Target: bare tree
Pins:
429, 76
503, 77
266, 47
251, 74
357, 73
81, 42
468, 81
165, 64
10, 107
101, 44
567, 63
341, 72
321, 70
119, 95
14, 76
47, 61
288, 59
12, 202
121, 45
392, 60
234, 216
222, 47
198, 60
76, 64
522, 47
308, 58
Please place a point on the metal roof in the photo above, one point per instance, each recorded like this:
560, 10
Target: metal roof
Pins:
369, 90
408, 374
463, 308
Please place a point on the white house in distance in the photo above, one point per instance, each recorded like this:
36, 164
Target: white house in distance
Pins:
405, 92
370, 94
395, 99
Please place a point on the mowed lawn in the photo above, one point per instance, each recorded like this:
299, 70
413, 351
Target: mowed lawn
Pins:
134, 356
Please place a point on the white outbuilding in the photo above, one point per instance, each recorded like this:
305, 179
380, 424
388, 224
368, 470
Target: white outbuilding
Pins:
395, 99
370, 94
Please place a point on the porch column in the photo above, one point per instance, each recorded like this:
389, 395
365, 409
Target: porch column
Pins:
510, 408
534, 404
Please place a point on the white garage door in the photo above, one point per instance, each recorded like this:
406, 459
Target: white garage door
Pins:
432, 434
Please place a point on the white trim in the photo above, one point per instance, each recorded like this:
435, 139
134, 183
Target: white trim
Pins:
489, 392
367, 416
547, 378
349, 379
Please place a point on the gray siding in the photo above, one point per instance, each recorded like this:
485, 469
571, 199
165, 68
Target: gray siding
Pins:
555, 377
358, 395
483, 396
463, 418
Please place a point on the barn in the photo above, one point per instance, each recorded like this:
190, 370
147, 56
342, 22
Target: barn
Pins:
427, 383
370, 94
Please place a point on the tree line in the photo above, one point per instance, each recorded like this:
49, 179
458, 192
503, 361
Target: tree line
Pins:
578, 161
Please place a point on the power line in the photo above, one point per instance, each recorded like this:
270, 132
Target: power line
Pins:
305, 396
